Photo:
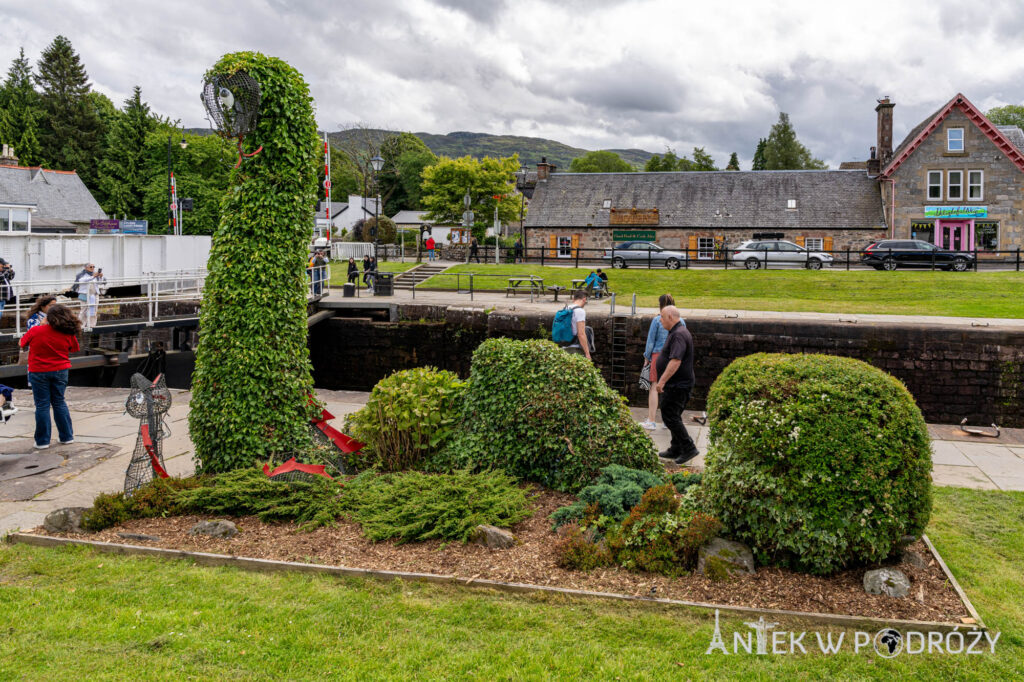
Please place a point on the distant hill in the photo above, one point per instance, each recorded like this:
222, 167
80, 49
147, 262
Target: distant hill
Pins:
479, 145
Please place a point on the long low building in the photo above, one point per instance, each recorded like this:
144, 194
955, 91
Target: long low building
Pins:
957, 181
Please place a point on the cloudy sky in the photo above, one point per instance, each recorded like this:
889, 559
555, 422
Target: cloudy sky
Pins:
591, 73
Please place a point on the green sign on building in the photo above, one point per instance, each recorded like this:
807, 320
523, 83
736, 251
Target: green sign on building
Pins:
628, 235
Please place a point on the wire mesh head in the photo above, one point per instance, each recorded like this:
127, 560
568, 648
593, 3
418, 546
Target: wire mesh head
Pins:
232, 103
148, 397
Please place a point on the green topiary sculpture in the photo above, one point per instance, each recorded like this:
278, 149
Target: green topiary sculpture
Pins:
818, 462
543, 415
252, 377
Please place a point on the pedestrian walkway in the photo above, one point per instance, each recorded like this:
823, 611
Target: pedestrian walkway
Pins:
72, 475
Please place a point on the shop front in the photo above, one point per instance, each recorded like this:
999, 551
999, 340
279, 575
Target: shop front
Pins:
953, 227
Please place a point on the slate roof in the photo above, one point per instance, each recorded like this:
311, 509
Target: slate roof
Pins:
56, 194
337, 207
410, 217
712, 199
1014, 134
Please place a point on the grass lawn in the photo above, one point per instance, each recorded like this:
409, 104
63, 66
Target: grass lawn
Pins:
339, 269
963, 294
76, 614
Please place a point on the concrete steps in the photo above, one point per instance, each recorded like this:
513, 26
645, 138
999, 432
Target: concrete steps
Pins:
410, 278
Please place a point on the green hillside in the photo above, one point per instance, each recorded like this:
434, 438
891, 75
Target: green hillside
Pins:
530, 149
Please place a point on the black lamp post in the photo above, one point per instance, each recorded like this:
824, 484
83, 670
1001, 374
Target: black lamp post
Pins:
376, 163
171, 209
522, 206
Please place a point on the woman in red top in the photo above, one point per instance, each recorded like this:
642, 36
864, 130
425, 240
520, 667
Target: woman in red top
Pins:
49, 346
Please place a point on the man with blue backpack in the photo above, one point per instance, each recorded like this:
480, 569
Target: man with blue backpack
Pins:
570, 329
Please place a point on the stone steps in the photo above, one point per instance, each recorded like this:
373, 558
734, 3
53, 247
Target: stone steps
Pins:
410, 278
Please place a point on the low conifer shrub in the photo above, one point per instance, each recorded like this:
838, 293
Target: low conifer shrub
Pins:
616, 490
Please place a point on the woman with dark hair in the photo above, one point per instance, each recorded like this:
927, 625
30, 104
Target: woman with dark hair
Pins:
37, 313
353, 270
656, 337
49, 347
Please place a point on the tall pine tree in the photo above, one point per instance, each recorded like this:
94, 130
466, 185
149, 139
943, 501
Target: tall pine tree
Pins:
782, 151
122, 170
71, 131
20, 112
758, 161
734, 162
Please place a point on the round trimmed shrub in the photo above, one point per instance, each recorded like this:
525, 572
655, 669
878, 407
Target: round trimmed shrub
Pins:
817, 462
544, 415
409, 414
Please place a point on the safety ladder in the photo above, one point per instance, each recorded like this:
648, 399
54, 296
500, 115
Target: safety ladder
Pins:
618, 355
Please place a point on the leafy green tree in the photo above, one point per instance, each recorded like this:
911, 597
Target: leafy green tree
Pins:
783, 151
758, 161
734, 162
72, 128
446, 183
368, 231
667, 163
1010, 115
20, 112
405, 156
122, 169
345, 178
600, 162
702, 161
252, 384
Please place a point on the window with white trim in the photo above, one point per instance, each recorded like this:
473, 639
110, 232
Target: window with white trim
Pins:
607, 203
975, 178
791, 203
955, 186
565, 247
815, 243
934, 185
705, 248
954, 139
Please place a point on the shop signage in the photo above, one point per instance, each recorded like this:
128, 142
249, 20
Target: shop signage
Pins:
639, 235
134, 227
956, 211
104, 226
633, 216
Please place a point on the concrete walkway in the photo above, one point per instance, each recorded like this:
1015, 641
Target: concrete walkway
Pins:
105, 438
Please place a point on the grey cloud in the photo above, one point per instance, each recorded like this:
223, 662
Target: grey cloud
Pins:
483, 11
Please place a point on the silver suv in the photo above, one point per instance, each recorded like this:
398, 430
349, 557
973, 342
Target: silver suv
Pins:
758, 253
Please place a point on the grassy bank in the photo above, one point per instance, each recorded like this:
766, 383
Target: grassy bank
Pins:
960, 294
75, 614
339, 269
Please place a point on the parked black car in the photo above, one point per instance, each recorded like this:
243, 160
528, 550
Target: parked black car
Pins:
889, 254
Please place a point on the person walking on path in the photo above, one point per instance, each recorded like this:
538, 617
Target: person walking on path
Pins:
675, 372
656, 336
353, 270
6, 289
49, 348
474, 250
518, 250
583, 336
430, 244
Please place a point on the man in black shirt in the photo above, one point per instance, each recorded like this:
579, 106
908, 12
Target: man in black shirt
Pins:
675, 381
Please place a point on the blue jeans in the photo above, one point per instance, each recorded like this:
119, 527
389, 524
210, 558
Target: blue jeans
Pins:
48, 389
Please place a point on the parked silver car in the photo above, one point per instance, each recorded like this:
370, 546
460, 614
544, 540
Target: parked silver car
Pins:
642, 253
762, 253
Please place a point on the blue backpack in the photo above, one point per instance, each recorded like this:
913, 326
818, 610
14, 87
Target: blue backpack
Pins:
561, 329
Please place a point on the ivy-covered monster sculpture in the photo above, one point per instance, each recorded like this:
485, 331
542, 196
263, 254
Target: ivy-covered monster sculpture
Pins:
252, 379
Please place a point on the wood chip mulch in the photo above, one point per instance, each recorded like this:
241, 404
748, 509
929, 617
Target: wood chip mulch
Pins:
532, 561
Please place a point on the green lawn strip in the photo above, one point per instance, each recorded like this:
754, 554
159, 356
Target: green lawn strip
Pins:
960, 294
339, 269
76, 614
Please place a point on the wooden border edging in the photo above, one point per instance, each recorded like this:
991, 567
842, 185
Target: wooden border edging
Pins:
952, 581
271, 565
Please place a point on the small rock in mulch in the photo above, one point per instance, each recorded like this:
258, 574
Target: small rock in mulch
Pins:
493, 537
218, 528
64, 520
138, 537
722, 559
887, 581
913, 558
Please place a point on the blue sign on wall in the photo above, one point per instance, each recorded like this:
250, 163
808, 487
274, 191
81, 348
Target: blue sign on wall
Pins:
956, 211
134, 227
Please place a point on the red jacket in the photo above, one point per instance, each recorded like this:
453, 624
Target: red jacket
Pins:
430, 244
48, 349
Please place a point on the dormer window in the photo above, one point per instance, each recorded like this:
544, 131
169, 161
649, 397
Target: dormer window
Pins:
955, 139
791, 203
607, 203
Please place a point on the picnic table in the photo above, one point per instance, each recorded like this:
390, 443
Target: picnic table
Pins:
526, 284
599, 291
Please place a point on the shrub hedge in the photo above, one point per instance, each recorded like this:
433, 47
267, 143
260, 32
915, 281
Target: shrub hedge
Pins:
817, 462
616, 491
409, 414
543, 415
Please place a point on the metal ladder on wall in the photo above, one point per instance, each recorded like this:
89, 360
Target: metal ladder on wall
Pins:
618, 355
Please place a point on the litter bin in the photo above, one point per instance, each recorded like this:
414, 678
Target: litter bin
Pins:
384, 284
348, 290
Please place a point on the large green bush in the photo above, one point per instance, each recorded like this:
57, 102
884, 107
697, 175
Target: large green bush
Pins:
817, 462
409, 414
252, 376
543, 415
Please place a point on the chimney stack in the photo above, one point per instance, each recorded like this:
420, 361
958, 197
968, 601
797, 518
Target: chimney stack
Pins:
7, 157
874, 166
884, 110
544, 169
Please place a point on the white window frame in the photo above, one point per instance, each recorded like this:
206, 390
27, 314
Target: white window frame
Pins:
607, 203
934, 174
8, 210
950, 140
814, 243
705, 248
790, 203
564, 247
950, 185
980, 185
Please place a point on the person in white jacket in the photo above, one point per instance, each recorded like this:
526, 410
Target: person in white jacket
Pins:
90, 288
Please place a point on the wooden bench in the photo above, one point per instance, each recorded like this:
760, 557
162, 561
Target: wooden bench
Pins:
525, 284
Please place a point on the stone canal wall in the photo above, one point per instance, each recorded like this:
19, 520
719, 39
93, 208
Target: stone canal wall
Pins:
953, 372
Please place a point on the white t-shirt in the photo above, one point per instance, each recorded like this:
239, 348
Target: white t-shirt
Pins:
578, 315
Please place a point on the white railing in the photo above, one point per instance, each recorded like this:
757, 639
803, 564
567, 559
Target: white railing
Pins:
346, 250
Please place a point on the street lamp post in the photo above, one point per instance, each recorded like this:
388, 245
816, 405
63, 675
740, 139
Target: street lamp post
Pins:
174, 217
376, 163
522, 206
